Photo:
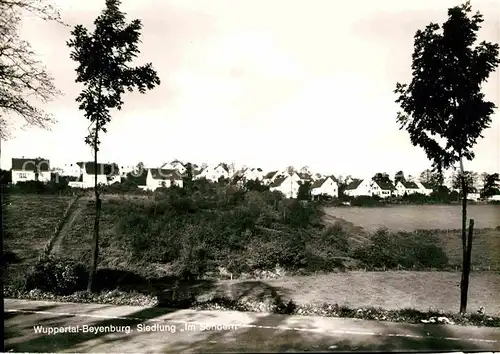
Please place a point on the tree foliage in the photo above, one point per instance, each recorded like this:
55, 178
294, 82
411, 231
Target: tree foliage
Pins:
381, 177
471, 179
23, 78
443, 108
304, 192
432, 178
104, 58
491, 185
399, 176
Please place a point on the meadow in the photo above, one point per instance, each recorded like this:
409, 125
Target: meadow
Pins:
156, 236
418, 217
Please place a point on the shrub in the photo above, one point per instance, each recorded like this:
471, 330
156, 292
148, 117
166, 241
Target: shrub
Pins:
58, 276
419, 249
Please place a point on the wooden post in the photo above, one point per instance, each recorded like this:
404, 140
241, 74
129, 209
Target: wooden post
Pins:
464, 286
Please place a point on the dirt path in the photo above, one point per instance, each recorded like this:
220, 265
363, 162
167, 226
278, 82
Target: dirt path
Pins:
77, 210
356, 233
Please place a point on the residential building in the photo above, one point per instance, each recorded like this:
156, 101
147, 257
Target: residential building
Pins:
382, 189
325, 186
107, 173
158, 177
251, 173
424, 188
269, 177
288, 185
406, 187
358, 188
175, 165
214, 173
30, 169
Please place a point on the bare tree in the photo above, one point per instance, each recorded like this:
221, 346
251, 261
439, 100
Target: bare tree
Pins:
22, 77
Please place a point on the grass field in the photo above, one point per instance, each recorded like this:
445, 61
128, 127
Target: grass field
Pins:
29, 222
390, 290
414, 217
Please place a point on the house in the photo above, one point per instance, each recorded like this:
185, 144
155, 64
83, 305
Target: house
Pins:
158, 177
424, 188
325, 186
382, 189
107, 173
288, 185
406, 187
175, 165
30, 169
358, 187
213, 174
269, 177
252, 174
70, 170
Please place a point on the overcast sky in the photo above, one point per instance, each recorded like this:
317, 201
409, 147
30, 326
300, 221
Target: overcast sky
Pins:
263, 83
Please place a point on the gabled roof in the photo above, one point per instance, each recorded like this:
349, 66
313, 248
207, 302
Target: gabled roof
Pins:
165, 174
426, 185
304, 176
409, 185
318, 183
270, 175
385, 185
102, 168
354, 184
223, 165
31, 165
278, 182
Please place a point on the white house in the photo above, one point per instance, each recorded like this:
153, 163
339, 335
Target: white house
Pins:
288, 185
406, 187
494, 198
70, 169
424, 188
213, 174
158, 177
107, 173
31, 169
358, 187
251, 174
175, 165
327, 186
381, 189
269, 177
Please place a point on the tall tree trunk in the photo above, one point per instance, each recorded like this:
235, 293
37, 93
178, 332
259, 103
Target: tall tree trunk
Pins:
466, 270
95, 236
464, 283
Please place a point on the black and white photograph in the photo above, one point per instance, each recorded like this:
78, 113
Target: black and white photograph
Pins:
195, 176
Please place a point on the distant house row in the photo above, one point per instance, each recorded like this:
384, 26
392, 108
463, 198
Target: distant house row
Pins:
169, 174
385, 189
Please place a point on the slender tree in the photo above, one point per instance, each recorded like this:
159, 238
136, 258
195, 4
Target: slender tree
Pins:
443, 108
104, 58
23, 78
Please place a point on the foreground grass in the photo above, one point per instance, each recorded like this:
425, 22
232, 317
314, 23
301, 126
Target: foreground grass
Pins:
29, 222
270, 302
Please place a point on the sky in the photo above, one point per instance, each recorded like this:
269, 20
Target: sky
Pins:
261, 83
